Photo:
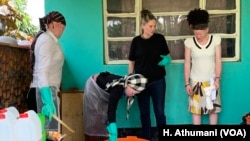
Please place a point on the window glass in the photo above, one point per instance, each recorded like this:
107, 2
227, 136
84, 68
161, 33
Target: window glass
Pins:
119, 50
228, 47
121, 27
220, 4
176, 48
222, 23
120, 6
169, 5
173, 25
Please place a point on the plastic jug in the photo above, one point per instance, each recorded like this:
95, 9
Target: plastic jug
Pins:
34, 116
6, 128
26, 128
10, 110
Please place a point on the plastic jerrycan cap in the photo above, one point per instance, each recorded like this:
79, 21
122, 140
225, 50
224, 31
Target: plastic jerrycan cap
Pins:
2, 116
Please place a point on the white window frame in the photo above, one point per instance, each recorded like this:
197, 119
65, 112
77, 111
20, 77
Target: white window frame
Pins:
136, 15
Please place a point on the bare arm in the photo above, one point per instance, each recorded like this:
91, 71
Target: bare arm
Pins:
187, 63
187, 67
218, 66
131, 65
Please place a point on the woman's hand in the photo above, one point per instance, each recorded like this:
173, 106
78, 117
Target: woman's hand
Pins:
189, 89
217, 83
129, 91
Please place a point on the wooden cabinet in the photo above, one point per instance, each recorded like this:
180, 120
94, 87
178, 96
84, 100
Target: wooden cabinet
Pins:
72, 114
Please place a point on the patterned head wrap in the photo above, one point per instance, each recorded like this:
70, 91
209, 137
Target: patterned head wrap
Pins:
136, 81
53, 16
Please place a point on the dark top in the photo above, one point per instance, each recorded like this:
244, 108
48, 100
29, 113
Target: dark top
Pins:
106, 77
115, 92
146, 54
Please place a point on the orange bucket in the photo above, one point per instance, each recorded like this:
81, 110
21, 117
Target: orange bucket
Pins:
130, 138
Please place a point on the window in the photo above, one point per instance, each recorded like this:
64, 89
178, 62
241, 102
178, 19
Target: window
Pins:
122, 24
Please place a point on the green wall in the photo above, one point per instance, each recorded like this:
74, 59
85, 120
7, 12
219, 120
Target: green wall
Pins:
83, 46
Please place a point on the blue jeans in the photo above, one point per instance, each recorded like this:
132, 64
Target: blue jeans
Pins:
157, 92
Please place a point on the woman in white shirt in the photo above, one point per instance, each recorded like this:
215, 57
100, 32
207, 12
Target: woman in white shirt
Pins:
46, 64
202, 68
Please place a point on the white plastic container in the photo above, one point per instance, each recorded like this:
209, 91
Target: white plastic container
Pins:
6, 128
26, 129
10, 110
34, 116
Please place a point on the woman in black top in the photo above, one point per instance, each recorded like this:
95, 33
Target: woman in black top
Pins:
149, 54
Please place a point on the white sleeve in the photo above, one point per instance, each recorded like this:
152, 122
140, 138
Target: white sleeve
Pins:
44, 56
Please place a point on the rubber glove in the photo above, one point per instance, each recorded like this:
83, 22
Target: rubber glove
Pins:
48, 108
166, 59
112, 130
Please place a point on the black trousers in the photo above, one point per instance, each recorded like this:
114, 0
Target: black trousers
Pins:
31, 99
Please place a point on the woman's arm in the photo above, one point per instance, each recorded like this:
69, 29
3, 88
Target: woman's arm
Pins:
187, 67
218, 66
131, 65
114, 96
